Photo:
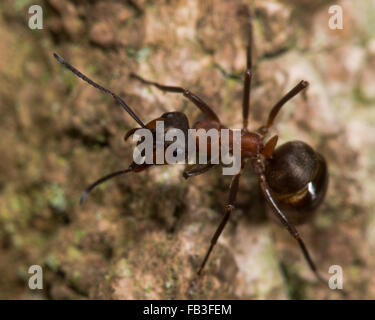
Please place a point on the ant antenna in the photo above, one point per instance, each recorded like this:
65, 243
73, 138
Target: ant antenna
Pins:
101, 180
97, 86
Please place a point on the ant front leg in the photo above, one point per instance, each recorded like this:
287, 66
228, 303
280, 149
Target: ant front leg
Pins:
196, 170
204, 107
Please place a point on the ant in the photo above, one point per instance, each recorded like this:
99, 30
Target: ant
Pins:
293, 177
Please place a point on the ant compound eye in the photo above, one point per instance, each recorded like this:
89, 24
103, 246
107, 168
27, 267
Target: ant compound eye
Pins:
168, 115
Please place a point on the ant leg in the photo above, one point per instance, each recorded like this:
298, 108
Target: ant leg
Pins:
228, 210
291, 228
99, 87
191, 96
246, 97
196, 170
247, 80
101, 180
276, 108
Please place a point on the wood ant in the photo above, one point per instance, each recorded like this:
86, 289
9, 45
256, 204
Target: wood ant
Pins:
293, 177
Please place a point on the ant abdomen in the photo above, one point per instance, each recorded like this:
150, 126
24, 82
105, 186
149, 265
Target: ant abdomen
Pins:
298, 178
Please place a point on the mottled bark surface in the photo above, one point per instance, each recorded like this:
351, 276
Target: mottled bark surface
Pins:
142, 236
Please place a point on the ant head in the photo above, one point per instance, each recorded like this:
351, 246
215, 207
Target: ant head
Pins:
175, 120
171, 120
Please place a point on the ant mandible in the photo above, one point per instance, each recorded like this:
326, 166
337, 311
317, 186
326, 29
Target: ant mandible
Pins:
293, 177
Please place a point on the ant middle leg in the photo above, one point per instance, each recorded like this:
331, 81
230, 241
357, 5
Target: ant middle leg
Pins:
228, 210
